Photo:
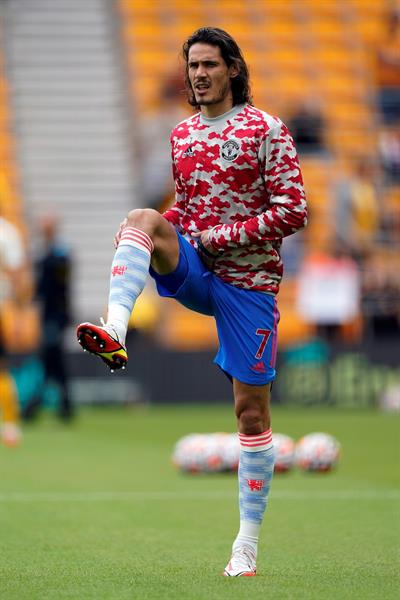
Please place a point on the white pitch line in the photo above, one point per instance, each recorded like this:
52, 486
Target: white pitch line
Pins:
10, 497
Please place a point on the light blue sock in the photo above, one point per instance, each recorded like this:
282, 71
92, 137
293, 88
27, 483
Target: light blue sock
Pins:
256, 468
129, 271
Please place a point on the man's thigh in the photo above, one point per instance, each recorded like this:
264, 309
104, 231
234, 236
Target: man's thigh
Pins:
247, 330
189, 284
166, 247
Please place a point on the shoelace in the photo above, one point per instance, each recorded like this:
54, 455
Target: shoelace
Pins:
109, 329
244, 558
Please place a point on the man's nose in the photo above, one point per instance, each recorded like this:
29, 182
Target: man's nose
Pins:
201, 71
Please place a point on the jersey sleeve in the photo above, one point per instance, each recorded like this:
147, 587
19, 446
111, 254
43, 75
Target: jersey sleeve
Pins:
287, 211
177, 210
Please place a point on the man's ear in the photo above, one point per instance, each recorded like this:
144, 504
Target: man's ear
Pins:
233, 71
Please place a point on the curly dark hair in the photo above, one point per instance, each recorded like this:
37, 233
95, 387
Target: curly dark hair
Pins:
231, 54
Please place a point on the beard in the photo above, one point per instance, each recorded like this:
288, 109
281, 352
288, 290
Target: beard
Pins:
219, 96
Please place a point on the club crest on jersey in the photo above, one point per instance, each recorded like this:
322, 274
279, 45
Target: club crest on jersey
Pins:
230, 150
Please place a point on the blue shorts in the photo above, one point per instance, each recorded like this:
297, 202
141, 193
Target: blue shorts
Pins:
246, 320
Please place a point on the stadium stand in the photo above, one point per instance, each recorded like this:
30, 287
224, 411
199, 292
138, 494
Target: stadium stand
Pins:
325, 49
10, 197
75, 129
18, 317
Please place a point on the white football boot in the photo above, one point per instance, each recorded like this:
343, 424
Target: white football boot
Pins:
242, 563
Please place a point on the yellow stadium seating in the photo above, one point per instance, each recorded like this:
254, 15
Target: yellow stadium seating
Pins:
10, 200
293, 49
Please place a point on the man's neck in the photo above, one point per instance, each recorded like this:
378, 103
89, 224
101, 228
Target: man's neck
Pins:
210, 111
231, 113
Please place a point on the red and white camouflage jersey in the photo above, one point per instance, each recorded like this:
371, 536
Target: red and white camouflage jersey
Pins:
238, 175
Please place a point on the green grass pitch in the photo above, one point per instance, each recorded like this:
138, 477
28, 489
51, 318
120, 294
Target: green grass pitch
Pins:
96, 511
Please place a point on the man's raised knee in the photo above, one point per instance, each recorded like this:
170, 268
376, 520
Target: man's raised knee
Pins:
146, 219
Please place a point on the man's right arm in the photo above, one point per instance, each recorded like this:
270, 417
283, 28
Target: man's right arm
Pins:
177, 210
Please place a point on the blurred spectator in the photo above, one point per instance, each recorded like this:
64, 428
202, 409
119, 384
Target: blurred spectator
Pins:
381, 293
292, 252
357, 208
12, 266
328, 294
390, 220
389, 152
307, 127
388, 71
53, 292
157, 182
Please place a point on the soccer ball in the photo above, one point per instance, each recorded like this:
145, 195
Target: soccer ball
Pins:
230, 452
206, 453
188, 453
317, 452
284, 448
212, 459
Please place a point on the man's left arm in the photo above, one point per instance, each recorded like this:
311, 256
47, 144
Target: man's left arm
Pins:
287, 212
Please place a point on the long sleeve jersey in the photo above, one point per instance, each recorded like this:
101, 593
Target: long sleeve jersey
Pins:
238, 176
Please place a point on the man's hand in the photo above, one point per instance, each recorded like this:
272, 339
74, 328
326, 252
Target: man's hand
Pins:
207, 252
204, 241
117, 236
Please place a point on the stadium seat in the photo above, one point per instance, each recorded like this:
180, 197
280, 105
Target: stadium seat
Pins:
9, 186
291, 47
181, 329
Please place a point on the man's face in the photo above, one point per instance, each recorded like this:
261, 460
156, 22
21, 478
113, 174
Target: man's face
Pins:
210, 77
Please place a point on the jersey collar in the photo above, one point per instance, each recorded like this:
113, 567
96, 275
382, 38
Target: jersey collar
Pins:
221, 118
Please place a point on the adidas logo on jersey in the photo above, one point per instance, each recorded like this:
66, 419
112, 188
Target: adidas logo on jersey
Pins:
189, 151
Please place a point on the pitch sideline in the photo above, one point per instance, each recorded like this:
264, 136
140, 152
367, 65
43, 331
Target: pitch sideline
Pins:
309, 495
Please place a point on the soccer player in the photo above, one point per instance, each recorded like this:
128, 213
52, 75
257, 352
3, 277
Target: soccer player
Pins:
239, 191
